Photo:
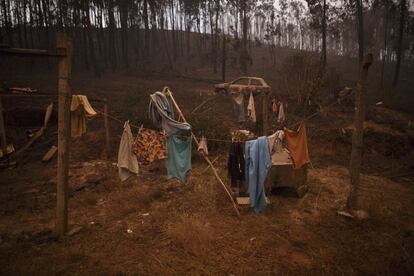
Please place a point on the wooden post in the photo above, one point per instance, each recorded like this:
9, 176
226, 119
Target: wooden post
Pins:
205, 157
265, 113
2, 131
357, 137
107, 141
64, 44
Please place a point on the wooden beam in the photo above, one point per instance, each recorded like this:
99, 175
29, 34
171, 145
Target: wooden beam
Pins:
51, 95
49, 154
203, 103
265, 113
2, 131
64, 92
31, 52
107, 141
36, 135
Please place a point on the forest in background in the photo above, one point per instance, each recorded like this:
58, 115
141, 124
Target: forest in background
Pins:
308, 51
149, 35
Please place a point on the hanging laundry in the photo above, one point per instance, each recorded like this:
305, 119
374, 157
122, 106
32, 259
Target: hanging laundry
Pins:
282, 157
81, 110
162, 115
281, 116
274, 106
150, 145
298, 145
242, 135
202, 146
179, 157
127, 160
279, 154
238, 106
251, 111
275, 141
257, 165
179, 150
235, 163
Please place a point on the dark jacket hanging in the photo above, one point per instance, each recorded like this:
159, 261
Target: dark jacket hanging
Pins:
235, 164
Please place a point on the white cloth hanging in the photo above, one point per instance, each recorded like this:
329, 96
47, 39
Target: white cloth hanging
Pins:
251, 111
202, 146
127, 160
281, 116
275, 141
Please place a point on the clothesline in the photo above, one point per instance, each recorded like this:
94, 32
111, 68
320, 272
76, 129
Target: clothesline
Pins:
138, 127
325, 108
222, 140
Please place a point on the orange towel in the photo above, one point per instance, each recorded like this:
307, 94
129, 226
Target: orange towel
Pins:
298, 145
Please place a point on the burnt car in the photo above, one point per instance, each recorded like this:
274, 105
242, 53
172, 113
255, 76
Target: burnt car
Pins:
243, 84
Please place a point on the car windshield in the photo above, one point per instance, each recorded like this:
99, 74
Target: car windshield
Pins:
242, 81
256, 82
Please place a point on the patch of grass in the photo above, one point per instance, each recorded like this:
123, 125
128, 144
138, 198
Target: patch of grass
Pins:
193, 233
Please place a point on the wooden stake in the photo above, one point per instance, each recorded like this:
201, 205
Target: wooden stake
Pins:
49, 154
63, 43
357, 137
2, 131
265, 113
205, 157
108, 145
203, 103
215, 159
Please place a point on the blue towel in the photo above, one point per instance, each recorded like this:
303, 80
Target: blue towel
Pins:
179, 157
257, 163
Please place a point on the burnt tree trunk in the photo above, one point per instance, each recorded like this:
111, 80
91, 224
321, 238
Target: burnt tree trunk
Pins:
244, 54
384, 56
360, 30
216, 43
6, 20
357, 137
173, 35
400, 42
89, 30
323, 52
123, 9
223, 62
111, 37
146, 34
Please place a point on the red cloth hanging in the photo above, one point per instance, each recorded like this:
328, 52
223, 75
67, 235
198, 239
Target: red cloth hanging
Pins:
298, 145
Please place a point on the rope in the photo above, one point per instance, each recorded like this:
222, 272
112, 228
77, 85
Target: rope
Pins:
139, 127
215, 139
319, 111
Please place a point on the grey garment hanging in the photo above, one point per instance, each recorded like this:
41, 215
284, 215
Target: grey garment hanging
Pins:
238, 106
162, 115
